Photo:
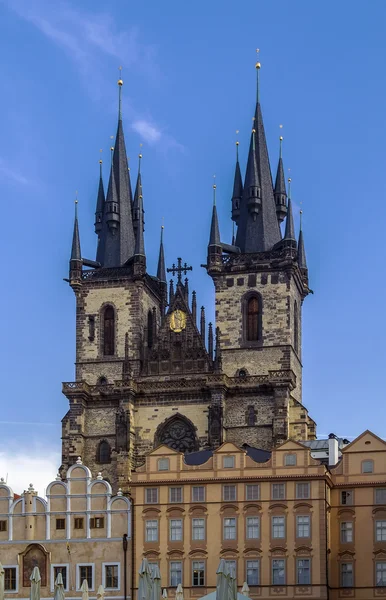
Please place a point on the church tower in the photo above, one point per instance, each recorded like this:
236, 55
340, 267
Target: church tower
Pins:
149, 370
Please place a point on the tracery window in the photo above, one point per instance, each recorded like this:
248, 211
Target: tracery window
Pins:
253, 319
108, 331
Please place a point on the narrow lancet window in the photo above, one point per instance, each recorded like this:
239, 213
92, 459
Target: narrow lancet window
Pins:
109, 332
253, 319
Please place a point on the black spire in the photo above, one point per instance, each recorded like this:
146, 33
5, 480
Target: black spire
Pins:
75, 248
289, 234
237, 188
161, 271
280, 191
140, 240
137, 194
214, 238
100, 203
258, 227
302, 261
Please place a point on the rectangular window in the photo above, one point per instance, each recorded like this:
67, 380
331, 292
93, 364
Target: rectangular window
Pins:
253, 572
97, 522
303, 526
60, 523
85, 573
175, 494
290, 460
63, 570
151, 496
151, 530
10, 582
303, 571
229, 528
252, 491
278, 572
198, 529
198, 567
253, 528
346, 532
278, 491
3, 525
346, 575
380, 531
278, 527
78, 523
302, 491
380, 573
163, 464
229, 492
228, 462
112, 577
198, 493
380, 496
346, 497
175, 530
368, 466
231, 564
175, 572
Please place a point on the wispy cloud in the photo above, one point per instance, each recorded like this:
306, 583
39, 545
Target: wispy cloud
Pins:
149, 132
7, 172
22, 466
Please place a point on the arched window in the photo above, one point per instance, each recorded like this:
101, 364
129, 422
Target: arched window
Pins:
251, 416
296, 327
109, 331
253, 319
149, 329
103, 452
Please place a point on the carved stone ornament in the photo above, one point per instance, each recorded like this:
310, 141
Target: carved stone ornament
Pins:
178, 434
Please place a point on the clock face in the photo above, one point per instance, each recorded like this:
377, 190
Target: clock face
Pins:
177, 321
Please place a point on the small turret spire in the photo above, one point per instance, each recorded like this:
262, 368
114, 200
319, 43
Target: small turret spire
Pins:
214, 238
280, 192
194, 307
161, 271
289, 224
302, 261
137, 193
210, 341
171, 292
202, 324
75, 248
139, 240
237, 187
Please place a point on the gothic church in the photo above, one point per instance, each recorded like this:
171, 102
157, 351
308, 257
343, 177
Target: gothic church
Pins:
148, 368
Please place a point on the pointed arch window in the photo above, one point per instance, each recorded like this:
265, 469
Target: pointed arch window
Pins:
253, 319
109, 331
149, 329
103, 452
251, 416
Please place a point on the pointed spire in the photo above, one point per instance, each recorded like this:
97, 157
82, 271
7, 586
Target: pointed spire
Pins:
217, 352
280, 192
75, 248
171, 292
194, 307
140, 240
100, 204
214, 239
161, 271
137, 194
302, 261
202, 324
237, 187
210, 341
289, 224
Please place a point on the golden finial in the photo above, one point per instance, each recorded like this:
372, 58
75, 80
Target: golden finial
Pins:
100, 160
120, 80
253, 130
76, 196
214, 190
237, 144
258, 64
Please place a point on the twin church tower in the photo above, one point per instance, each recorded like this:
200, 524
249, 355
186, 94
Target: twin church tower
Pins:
149, 370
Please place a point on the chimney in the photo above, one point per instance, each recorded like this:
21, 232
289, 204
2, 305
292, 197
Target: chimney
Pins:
333, 450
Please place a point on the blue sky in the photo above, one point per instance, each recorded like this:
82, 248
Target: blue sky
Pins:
189, 84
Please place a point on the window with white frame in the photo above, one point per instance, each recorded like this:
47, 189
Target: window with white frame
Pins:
198, 529
368, 466
10, 579
253, 572
290, 460
163, 464
151, 530
346, 574
175, 530
229, 528
252, 491
151, 495
346, 531
198, 573
303, 571
278, 571
302, 491
175, 572
380, 531
380, 573
228, 462
347, 497
380, 496
198, 493
55, 570
85, 572
278, 491
303, 526
231, 564
175, 494
253, 528
111, 576
229, 492
278, 527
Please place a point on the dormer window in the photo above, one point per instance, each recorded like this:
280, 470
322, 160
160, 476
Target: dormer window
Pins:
368, 466
228, 462
163, 464
290, 460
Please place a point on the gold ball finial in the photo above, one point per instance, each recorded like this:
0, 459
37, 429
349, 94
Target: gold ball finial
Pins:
120, 82
301, 212
139, 155
253, 130
111, 148
237, 143
162, 226
258, 65
281, 138
289, 179
100, 161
